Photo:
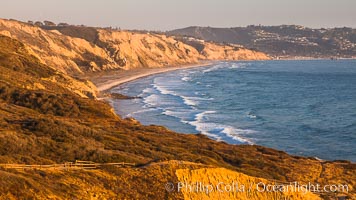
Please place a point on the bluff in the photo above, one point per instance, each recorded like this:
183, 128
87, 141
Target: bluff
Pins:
79, 49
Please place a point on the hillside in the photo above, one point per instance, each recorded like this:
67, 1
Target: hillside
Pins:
78, 49
46, 117
282, 41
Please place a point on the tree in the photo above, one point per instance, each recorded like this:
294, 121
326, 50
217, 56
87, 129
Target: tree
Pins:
49, 23
63, 24
38, 23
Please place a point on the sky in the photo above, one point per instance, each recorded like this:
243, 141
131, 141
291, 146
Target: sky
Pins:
172, 14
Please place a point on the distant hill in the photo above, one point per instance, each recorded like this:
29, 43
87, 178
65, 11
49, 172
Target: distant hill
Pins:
282, 41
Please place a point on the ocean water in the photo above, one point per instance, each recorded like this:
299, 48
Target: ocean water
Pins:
305, 108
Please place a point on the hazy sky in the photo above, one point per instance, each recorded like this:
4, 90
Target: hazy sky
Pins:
171, 14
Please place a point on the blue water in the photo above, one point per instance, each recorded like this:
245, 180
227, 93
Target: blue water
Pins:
305, 108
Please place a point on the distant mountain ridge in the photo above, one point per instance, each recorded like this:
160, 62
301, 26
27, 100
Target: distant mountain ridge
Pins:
281, 41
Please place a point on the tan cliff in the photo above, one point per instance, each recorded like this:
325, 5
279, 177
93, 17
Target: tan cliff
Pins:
213, 51
64, 53
112, 49
220, 183
133, 50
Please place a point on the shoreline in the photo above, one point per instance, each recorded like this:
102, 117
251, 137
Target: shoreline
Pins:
107, 80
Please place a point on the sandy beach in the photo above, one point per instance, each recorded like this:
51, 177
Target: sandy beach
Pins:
107, 80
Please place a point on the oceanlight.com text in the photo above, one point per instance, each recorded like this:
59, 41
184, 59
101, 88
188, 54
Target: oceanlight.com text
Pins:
236, 187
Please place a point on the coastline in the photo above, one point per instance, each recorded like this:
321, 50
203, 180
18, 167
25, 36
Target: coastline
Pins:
107, 80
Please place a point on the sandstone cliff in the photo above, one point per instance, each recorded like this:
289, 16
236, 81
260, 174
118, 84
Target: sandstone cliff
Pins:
76, 50
133, 50
213, 51
21, 57
64, 53
220, 183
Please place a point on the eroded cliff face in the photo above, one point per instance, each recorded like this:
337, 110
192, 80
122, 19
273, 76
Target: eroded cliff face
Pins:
214, 51
220, 183
16, 56
77, 50
66, 54
132, 50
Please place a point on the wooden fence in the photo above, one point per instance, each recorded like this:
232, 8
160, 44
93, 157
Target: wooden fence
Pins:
78, 164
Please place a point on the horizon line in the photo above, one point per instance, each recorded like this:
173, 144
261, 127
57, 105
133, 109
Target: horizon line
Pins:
188, 26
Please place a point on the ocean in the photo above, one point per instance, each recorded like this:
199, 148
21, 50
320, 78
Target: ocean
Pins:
305, 108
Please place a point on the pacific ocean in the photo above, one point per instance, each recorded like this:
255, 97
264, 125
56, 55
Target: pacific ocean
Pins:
303, 107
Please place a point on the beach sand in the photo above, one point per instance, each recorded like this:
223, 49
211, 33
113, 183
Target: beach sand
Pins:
104, 81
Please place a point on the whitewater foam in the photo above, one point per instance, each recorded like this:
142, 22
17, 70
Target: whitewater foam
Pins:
189, 101
151, 100
239, 65
163, 90
216, 131
213, 68
236, 133
251, 116
201, 127
133, 114
194, 101
148, 90
186, 78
